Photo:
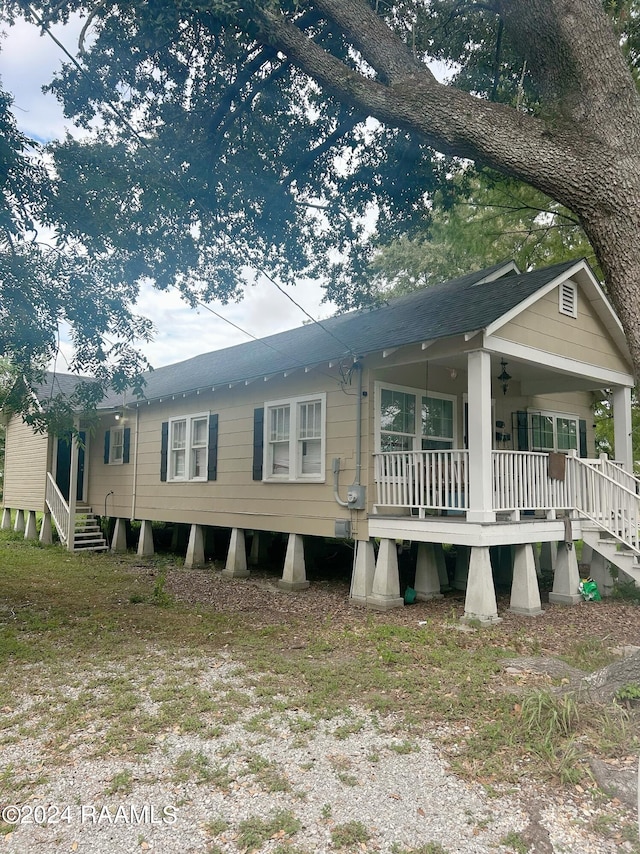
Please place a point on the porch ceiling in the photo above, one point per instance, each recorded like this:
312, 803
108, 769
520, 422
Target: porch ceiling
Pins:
531, 375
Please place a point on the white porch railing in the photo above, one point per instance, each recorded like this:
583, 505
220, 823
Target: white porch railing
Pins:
439, 480
58, 507
426, 480
521, 482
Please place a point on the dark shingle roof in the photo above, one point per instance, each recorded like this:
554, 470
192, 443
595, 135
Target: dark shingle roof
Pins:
451, 308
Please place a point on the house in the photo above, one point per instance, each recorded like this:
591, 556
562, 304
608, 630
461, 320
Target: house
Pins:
459, 414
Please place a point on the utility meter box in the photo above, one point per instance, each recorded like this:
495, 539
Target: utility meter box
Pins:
356, 497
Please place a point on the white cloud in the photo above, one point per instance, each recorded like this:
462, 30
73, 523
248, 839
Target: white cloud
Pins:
182, 332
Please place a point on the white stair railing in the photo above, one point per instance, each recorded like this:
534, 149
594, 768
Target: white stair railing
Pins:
615, 471
608, 503
58, 507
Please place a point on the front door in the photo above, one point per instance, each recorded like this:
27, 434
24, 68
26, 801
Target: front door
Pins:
63, 465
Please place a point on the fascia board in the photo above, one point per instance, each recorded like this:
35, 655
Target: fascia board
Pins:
604, 377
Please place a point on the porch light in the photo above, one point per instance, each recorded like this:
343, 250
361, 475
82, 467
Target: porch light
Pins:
504, 377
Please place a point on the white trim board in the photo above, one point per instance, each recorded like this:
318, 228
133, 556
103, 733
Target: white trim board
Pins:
600, 376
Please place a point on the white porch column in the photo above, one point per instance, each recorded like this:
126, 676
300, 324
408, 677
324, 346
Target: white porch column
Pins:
73, 487
479, 433
46, 532
427, 583
18, 525
195, 548
145, 541
119, 539
364, 568
294, 574
385, 592
622, 427
236, 565
31, 530
6, 519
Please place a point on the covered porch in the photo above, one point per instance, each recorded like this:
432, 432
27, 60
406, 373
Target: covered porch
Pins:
478, 487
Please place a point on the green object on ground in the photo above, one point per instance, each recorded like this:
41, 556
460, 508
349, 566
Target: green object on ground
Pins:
589, 590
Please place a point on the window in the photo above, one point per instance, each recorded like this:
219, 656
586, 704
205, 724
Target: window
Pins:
295, 439
553, 432
404, 427
437, 423
116, 446
188, 440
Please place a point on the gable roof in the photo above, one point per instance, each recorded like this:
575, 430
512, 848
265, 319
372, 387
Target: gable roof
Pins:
466, 304
451, 308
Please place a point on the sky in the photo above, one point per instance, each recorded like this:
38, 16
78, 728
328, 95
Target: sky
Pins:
27, 62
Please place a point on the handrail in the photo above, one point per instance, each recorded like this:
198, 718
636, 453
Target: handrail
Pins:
615, 471
59, 508
608, 503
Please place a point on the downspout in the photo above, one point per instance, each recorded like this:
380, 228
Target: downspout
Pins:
356, 493
135, 466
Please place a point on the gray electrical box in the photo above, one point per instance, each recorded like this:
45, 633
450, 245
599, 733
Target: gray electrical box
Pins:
342, 529
356, 497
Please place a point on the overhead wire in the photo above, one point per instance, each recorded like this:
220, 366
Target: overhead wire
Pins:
143, 142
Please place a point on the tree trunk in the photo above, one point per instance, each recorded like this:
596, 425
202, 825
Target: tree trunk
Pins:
604, 684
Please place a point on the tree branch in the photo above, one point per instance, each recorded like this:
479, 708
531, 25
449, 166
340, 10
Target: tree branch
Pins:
379, 45
450, 120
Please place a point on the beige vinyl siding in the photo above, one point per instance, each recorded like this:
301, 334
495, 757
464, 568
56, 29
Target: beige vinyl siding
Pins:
583, 338
105, 478
26, 463
234, 499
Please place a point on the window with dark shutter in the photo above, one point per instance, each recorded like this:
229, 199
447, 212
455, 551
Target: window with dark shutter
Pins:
258, 442
164, 447
212, 461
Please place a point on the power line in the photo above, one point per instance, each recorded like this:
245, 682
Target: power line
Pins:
142, 141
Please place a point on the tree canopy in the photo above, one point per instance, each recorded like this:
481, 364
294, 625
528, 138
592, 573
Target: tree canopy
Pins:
48, 278
282, 136
488, 218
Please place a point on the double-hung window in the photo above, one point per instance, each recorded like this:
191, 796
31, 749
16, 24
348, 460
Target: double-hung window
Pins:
411, 420
116, 445
188, 447
295, 439
554, 432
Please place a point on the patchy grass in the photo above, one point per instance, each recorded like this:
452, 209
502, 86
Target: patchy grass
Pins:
79, 670
254, 831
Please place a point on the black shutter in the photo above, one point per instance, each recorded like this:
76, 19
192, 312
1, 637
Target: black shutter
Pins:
212, 461
107, 442
164, 448
258, 442
522, 422
582, 429
126, 444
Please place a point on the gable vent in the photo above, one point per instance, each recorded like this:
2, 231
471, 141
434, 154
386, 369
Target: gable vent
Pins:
568, 299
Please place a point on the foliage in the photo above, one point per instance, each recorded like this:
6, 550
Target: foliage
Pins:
486, 219
48, 278
225, 139
603, 418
